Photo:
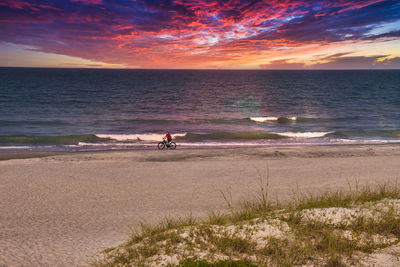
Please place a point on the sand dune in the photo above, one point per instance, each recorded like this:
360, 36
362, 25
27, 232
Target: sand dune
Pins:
61, 209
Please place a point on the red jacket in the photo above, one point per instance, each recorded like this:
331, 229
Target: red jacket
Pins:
168, 137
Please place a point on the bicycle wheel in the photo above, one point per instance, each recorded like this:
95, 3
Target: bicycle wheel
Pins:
172, 145
161, 145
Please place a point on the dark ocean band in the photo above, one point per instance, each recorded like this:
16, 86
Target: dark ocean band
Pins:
189, 137
50, 140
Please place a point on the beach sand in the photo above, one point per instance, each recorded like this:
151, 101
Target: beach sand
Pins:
60, 209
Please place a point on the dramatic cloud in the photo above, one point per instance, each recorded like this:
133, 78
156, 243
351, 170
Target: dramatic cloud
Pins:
361, 62
339, 61
196, 33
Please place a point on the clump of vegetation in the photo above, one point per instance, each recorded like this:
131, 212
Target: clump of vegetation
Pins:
226, 263
331, 229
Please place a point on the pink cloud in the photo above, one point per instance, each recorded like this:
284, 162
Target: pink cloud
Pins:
193, 33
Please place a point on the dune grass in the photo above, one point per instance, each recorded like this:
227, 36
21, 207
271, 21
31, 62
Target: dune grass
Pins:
228, 238
226, 263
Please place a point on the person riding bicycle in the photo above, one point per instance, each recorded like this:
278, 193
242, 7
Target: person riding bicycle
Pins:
167, 138
166, 142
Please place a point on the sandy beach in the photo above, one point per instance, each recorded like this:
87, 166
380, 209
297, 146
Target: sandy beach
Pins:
60, 209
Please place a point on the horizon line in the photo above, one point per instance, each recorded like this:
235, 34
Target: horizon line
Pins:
216, 69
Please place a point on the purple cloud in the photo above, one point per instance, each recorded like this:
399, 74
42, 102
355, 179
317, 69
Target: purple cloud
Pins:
146, 33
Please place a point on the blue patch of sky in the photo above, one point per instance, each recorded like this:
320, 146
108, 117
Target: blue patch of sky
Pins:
125, 2
67, 5
317, 6
292, 17
270, 28
128, 6
214, 17
385, 28
271, 24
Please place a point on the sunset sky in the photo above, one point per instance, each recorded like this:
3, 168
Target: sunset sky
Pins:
201, 34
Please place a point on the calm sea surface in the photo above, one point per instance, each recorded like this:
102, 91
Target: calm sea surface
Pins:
81, 109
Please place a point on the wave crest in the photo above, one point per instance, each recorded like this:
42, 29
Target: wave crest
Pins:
273, 119
305, 134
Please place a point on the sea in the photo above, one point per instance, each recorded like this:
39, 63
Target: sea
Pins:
45, 109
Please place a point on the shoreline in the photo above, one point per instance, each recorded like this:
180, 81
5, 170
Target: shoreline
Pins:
64, 208
9, 155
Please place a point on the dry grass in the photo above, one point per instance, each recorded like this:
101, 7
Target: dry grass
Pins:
266, 233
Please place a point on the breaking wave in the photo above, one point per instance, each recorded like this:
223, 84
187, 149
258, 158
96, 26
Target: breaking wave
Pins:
273, 119
144, 139
305, 134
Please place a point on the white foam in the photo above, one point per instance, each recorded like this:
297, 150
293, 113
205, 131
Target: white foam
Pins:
137, 137
266, 119
304, 134
263, 119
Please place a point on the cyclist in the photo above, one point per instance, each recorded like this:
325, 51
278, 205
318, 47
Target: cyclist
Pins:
168, 138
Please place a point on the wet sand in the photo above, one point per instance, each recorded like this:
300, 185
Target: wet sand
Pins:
61, 209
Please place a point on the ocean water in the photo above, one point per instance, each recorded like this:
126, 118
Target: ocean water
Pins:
86, 109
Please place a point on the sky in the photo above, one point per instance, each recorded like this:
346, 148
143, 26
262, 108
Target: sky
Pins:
200, 34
